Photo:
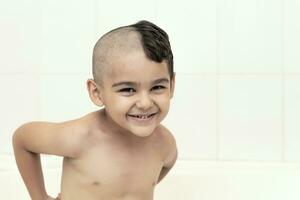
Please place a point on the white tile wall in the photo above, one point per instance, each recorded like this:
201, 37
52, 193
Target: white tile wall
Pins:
232, 101
12, 186
250, 118
291, 36
68, 36
64, 97
292, 116
192, 116
231, 181
191, 25
18, 104
250, 36
114, 13
20, 36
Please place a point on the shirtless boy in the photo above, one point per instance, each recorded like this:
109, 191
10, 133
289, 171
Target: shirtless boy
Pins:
121, 151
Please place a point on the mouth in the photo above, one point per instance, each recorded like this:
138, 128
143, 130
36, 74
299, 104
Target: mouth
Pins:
142, 117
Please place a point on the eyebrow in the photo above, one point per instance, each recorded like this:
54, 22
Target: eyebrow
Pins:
129, 83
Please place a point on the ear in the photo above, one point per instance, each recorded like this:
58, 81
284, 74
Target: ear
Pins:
172, 85
94, 92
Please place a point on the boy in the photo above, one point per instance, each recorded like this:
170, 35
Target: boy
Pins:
121, 151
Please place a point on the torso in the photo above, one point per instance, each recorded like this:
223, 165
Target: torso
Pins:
113, 168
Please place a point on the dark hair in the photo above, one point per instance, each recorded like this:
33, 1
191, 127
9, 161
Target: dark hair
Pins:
155, 42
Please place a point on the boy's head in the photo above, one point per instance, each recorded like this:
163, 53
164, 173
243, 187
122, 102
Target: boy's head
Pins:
133, 77
143, 35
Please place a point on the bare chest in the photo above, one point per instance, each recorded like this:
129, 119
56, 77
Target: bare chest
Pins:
114, 168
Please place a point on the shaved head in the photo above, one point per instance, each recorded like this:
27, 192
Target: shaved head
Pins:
142, 36
110, 46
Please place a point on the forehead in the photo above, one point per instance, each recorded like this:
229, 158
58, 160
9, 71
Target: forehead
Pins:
135, 66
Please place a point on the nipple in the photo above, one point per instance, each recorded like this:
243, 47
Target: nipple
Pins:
96, 183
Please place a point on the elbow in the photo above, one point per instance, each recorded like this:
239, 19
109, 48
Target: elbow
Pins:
17, 137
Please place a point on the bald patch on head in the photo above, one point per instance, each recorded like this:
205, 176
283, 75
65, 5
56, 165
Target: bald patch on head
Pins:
110, 47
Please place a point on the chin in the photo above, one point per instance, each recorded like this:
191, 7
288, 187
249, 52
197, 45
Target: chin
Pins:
143, 133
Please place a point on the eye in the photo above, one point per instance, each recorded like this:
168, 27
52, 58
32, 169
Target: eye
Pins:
127, 90
158, 87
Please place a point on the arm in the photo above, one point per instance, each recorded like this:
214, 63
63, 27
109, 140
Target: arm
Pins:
170, 155
164, 171
40, 137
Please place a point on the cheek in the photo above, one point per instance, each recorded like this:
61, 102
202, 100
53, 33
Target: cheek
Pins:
119, 104
163, 103
163, 99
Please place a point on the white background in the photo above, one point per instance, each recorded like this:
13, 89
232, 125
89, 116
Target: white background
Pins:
237, 93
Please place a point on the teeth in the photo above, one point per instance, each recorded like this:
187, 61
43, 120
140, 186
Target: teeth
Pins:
142, 116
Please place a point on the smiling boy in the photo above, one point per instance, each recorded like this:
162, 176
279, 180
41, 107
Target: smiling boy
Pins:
121, 151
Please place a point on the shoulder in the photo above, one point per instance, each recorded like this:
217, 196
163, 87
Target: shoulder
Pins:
77, 133
169, 146
86, 130
166, 135
57, 138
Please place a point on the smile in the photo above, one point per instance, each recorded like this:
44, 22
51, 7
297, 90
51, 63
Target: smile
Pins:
143, 117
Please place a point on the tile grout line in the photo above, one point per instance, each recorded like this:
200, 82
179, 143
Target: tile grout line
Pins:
178, 73
239, 160
283, 133
96, 17
218, 142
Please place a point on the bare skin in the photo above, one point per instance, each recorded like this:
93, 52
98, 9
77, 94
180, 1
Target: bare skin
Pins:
51, 198
98, 162
120, 152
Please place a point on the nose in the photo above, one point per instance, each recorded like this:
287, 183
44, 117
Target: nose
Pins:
144, 102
